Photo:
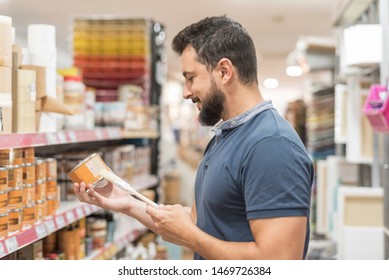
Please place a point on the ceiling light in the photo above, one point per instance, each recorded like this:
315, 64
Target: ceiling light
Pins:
270, 83
294, 71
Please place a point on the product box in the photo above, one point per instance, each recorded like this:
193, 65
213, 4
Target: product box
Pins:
40, 79
5, 100
5, 41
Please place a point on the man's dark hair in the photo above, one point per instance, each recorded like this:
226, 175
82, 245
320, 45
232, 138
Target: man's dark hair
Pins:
215, 38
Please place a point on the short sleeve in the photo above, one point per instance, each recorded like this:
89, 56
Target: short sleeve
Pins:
276, 178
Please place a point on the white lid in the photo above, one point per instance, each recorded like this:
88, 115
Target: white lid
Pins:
5, 19
41, 35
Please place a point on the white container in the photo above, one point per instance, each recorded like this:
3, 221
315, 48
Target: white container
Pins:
43, 56
362, 45
74, 97
41, 35
5, 41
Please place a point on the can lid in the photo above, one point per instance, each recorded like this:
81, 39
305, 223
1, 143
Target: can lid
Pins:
14, 209
3, 168
6, 20
28, 185
4, 214
3, 191
15, 189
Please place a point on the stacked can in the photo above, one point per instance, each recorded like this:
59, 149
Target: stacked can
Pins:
15, 190
4, 162
52, 193
40, 189
3, 201
28, 155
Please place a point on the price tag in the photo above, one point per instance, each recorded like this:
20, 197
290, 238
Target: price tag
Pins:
51, 138
2, 250
62, 137
87, 210
50, 226
79, 212
40, 231
99, 134
70, 216
12, 244
111, 133
73, 136
60, 221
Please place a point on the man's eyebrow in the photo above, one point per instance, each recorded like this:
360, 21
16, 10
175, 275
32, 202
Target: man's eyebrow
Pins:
186, 73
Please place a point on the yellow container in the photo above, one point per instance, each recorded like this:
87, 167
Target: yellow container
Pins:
15, 176
29, 214
40, 169
3, 225
28, 194
15, 197
15, 217
89, 171
40, 190
3, 178
3, 201
28, 173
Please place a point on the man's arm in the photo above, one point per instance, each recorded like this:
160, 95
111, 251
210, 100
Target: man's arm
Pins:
275, 238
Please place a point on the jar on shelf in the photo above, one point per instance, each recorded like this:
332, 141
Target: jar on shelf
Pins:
74, 97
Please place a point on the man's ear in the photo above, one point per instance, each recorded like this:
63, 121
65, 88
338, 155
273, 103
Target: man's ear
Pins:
226, 69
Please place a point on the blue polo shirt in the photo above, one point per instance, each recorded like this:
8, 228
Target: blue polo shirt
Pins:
254, 167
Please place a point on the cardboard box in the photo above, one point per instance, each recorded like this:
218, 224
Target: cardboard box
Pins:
16, 55
23, 117
6, 119
5, 44
40, 79
24, 86
5, 79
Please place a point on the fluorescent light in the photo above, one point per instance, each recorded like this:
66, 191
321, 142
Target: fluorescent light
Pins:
270, 83
294, 71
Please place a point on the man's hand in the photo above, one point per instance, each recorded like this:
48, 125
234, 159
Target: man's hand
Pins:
174, 223
109, 197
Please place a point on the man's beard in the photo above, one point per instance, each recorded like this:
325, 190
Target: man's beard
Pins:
212, 106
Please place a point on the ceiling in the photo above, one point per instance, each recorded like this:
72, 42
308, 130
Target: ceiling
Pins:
275, 25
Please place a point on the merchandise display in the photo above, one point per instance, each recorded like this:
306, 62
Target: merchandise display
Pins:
38, 211
99, 106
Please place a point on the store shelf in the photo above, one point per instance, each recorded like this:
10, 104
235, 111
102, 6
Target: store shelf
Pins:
19, 140
69, 212
131, 134
121, 241
144, 182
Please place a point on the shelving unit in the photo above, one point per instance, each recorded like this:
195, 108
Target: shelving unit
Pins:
71, 211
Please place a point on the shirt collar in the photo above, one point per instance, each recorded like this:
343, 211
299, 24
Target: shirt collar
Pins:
242, 118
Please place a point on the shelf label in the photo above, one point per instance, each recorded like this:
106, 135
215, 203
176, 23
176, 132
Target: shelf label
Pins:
51, 138
87, 210
60, 221
73, 136
40, 231
62, 137
79, 212
99, 134
12, 244
50, 226
70, 216
2, 250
